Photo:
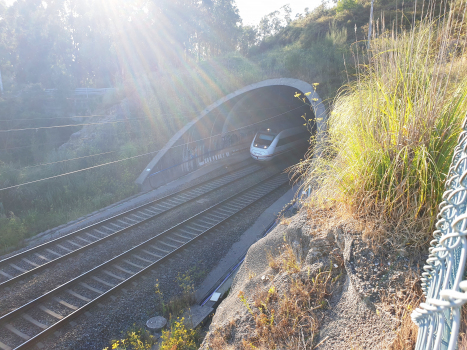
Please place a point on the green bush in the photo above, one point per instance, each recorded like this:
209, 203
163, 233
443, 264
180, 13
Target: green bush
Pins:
179, 337
12, 232
343, 5
393, 130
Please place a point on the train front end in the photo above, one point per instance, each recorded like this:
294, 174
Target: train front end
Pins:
263, 145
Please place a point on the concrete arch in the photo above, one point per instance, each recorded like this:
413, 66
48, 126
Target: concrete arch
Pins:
170, 163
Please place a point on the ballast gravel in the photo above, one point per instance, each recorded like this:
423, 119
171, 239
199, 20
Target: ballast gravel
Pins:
135, 304
58, 274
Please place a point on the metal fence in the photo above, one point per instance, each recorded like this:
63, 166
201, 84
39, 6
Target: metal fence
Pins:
439, 316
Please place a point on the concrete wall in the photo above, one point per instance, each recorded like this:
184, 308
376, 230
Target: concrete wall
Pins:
228, 125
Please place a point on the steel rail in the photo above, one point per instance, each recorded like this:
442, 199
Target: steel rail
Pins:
270, 184
25, 254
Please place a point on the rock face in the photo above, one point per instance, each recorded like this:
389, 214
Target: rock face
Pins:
353, 315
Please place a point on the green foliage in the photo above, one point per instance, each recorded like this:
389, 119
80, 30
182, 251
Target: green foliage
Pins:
343, 5
64, 44
393, 130
12, 232
135, 339
186, 298
179, 337
150, 123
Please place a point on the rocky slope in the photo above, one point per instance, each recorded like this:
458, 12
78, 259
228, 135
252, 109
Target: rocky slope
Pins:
315, 283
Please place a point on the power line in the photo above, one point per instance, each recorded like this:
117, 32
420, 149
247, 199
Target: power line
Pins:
83, 116
71, 159
140, 155
58, 142
88, 156
71, 125
108, 122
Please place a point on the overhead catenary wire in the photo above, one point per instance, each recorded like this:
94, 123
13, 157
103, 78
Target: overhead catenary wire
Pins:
88, 156
71, 159
72, 125
107, 122
139, 155
86, 116
62, 141
59, 142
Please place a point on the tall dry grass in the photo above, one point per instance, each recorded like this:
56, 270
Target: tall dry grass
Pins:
392, 130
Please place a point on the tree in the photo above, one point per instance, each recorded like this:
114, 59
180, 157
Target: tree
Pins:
248, 38
343, 5
287, 11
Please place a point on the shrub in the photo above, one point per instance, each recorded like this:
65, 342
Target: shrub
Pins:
178, 337
343, 5
393, 130
135, 339
12, 232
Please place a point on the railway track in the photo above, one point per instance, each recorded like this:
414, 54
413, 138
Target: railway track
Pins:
34, 260
28, 324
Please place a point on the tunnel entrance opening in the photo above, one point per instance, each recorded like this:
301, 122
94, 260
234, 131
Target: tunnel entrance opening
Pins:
229, 126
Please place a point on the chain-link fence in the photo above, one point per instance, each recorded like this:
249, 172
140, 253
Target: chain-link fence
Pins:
439, 316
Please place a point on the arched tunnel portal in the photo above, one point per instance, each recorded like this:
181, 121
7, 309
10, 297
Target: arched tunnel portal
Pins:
229, 125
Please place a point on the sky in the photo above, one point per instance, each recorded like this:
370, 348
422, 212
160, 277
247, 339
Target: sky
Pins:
252, 11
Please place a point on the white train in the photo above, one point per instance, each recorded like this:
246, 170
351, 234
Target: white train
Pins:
268, 144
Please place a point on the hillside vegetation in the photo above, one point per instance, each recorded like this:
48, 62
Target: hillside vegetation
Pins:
344, 273
392, 130
155, 94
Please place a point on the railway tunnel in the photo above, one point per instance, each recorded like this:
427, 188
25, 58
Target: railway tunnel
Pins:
228, 126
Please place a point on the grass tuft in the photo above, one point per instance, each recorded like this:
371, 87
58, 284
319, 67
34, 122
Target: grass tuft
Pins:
283, 316
392, 131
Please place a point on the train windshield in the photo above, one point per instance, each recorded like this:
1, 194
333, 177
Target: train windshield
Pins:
263, 140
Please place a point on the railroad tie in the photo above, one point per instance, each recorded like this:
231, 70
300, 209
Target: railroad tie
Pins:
64, 303
105, 283
5, 274
131, 273
64, 248
79, 296
4, 346
18, 268
152, 254
133, 264
41, 257
87, 286
143, 259
109, 273
30, 262
34, 321
50, 312
17, 331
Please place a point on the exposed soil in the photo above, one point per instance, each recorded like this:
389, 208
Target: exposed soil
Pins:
363, 308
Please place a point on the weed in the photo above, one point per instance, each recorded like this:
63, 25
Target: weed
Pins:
13, 231
287, 261
241, 296
135, 339
273, 263
178, 304
286, 316
402, 304
392, 132
251, 275
178, 337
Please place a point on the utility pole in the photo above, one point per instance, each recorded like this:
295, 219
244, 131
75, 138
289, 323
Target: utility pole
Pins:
371, 22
